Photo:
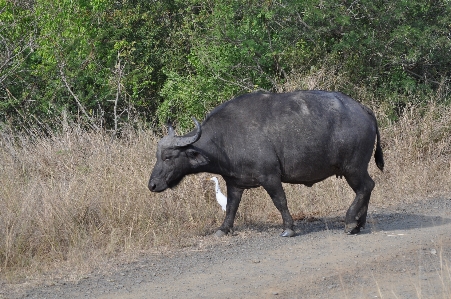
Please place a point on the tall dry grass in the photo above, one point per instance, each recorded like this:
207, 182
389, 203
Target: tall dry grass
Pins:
77, 197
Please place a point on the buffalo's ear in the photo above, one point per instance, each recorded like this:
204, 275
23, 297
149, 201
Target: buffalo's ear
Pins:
196, 158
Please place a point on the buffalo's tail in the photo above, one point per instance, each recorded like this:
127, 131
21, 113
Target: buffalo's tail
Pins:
378, 155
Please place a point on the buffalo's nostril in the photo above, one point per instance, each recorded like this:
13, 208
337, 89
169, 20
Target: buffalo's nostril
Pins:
152, 186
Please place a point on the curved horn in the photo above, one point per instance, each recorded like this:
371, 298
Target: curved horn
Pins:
179, 141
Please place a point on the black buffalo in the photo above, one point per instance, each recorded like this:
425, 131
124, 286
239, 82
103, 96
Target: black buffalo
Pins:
264, 139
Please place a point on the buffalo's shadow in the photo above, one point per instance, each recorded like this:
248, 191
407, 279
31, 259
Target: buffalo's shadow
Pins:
375, 222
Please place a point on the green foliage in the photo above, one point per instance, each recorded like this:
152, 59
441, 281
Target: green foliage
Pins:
236, 47
16, 50
110, 62
190, 96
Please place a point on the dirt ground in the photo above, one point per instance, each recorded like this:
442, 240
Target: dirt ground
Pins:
404, 252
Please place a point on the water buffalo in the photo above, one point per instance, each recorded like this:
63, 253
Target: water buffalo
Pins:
264, 139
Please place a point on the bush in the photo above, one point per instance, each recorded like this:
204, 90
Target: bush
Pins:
110, 62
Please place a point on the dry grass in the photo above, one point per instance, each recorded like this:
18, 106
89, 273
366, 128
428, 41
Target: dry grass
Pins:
76, 198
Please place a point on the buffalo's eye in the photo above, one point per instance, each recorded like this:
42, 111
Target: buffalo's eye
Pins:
167, 158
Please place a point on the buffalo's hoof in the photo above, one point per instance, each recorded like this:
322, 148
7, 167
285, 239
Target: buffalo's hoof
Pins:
219, 233
352, 229
287, 233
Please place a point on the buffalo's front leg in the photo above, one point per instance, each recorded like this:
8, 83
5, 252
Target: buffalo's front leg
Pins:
277, 194
233, 201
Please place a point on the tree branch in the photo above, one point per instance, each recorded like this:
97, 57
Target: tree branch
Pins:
83, 110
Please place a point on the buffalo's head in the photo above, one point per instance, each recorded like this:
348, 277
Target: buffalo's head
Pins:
176, 157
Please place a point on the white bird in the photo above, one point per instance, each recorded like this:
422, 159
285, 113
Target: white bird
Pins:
221, 198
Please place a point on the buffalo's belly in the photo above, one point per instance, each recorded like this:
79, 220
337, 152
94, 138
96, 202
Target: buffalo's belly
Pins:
308, 175
310, 163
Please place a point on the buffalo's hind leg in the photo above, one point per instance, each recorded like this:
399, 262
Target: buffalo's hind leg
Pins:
277, 194
362, 184
233, 201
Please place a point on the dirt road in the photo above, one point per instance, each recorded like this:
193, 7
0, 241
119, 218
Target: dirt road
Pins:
404, 252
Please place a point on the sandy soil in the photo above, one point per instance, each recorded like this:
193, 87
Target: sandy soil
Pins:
404, 252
